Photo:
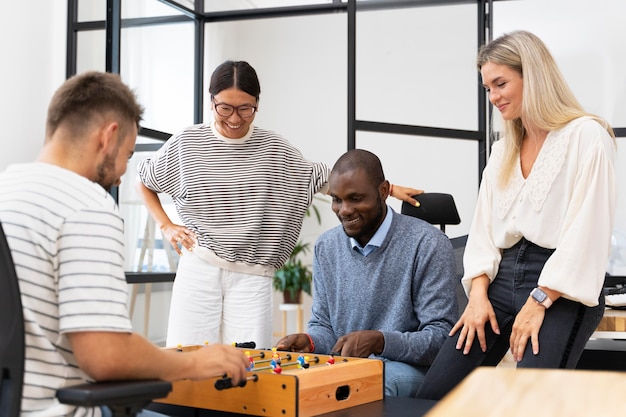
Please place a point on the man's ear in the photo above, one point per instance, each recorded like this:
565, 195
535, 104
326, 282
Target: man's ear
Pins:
109, 134
385, 190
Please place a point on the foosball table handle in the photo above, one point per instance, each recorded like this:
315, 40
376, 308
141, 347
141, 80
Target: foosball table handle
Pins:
227, 382
245, 345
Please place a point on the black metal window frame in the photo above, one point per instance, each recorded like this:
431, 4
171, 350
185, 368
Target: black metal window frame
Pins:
114, 24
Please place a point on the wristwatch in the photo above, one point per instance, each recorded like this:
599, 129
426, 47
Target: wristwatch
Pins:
541, 297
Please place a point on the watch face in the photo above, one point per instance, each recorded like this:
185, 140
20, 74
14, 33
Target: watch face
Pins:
539, 295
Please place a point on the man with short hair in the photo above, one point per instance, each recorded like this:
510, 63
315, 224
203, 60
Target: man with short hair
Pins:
384, 283
66, 239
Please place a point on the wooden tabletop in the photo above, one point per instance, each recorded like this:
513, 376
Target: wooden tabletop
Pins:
497, 392
613, 321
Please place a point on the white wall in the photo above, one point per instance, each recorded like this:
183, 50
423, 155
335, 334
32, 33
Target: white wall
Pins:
32, 66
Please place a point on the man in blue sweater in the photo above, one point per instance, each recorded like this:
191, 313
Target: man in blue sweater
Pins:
383, 283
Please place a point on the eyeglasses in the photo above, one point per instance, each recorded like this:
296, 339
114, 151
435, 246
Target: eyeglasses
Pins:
226, 110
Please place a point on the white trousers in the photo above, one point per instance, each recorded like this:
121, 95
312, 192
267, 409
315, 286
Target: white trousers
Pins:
212, 304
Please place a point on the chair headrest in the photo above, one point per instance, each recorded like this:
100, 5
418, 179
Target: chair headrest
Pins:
434, 208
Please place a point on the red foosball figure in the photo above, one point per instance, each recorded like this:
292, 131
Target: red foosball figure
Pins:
331, 360
277, 369
250, 359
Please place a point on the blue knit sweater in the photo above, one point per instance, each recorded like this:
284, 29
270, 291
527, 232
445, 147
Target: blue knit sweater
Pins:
405, 289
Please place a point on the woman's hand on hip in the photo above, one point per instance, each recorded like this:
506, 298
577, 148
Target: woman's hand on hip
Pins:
179, 237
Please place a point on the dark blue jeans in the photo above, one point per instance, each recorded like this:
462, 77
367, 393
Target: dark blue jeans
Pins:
565, 330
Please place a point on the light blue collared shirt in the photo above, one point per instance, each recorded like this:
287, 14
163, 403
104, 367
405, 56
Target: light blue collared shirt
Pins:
378, 237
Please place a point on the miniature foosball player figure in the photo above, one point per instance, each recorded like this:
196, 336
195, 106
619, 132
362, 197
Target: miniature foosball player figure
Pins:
303, 361
277, 369
275, 359
250, 359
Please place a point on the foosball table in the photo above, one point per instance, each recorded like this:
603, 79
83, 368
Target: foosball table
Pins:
286, 384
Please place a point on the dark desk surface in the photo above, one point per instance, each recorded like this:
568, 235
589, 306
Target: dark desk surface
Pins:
389, 407
148, 277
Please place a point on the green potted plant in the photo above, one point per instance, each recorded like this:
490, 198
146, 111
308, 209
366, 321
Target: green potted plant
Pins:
294, 276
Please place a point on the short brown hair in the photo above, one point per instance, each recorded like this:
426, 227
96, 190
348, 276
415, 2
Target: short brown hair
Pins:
85, 96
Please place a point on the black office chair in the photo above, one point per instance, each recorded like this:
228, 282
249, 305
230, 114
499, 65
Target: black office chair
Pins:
125, 398
435, 208
12, 331
458, 245
440, 209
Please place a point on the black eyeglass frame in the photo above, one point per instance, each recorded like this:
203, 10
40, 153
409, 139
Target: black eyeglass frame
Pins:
233, 109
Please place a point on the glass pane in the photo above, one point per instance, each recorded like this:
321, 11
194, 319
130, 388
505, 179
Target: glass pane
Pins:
416, 66
157, 61
92, 10
431, 164
90, 51
302, 76
145, 249
592, 60
186, 3
150, 8
220, 5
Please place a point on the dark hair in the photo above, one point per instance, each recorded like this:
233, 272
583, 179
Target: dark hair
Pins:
89, 95
238, 74
361, 159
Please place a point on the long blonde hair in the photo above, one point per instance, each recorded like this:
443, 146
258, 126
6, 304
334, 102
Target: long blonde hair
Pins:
547, 104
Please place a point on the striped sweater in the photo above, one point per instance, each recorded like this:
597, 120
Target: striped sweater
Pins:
244, 198
66, 239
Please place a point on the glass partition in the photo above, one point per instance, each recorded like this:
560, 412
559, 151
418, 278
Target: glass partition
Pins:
442, 165
416, 66
91, 10
91, 51
302, 76
145, 249
150, 8
586, 40
158, 63
220, 6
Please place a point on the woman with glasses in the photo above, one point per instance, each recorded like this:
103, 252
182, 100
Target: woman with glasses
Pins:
241, 193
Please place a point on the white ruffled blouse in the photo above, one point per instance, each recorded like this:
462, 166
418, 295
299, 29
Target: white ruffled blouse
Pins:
566, 203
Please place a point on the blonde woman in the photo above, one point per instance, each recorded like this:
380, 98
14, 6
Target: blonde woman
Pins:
539, 242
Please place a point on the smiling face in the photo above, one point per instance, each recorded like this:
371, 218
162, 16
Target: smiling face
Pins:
359, 205
505, 87
233, 126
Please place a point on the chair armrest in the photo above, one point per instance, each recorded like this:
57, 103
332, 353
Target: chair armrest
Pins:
132, 393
